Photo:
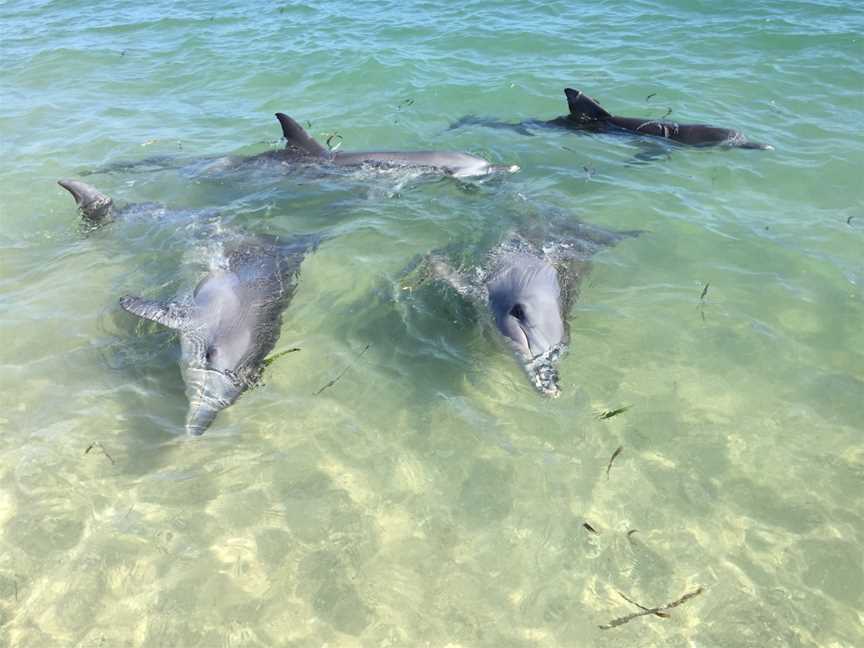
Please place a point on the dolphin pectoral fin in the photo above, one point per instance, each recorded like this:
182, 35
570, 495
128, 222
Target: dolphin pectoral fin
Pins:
298, 139
583, 108
170, 314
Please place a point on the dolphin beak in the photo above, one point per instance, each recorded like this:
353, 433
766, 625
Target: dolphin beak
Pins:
199, 418
502, 168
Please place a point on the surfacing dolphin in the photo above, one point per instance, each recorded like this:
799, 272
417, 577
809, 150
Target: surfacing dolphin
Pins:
97, 209
231, 322
300, 148
586, 114
528, 284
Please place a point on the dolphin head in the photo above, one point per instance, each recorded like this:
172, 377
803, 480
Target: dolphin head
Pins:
212, 381
209, 392
525, 297
95, 206
218, 349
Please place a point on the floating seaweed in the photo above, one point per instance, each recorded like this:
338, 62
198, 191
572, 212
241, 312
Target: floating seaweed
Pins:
659, 611
274, 358
342, 373
648, 98
96, 444
329, 141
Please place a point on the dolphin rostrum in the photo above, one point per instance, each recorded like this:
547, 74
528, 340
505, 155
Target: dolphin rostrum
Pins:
586, 114
231, 321
301, 147
528, 284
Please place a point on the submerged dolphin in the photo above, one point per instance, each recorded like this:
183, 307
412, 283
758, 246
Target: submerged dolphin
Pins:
528, 285
230, 323
98, 209
587, 115
300, 147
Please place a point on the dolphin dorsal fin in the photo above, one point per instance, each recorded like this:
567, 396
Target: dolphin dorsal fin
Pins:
297, 138
583, 108
94, 205
170, 314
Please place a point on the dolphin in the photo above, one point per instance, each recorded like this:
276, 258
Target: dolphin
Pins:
586, 114
231, 322
528, 283
97, 209
300, 148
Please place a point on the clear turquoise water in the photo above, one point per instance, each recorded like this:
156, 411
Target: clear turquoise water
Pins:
430, 498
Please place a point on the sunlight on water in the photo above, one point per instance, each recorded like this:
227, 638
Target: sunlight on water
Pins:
398, 481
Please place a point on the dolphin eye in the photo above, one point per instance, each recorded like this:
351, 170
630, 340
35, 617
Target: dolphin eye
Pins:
518, 312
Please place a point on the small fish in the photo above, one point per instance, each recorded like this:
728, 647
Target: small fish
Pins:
614, 456
704, 291
607, 414
590, 528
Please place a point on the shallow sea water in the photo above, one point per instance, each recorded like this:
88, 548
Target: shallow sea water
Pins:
430, 497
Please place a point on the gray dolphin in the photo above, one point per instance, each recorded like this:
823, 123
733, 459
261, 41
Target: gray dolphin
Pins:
586, 114
300, 147
231, 321
528, 283
98, 209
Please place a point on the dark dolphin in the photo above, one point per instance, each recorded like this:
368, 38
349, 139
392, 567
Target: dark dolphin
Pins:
231, 322
585, 112
587, 115
528, 283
